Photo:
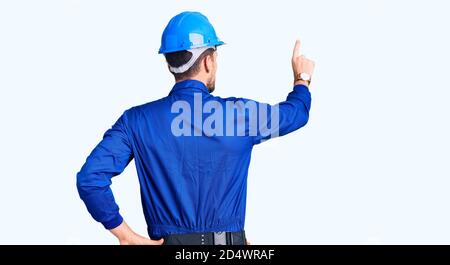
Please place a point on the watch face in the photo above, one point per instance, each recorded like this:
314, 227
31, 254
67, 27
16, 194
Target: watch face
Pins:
305, 76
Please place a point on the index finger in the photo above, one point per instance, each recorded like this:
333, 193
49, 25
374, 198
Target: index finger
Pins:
296, 51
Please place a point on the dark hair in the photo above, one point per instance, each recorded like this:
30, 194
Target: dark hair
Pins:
176, 59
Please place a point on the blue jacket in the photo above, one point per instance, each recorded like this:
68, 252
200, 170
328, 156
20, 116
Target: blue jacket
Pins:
188, 183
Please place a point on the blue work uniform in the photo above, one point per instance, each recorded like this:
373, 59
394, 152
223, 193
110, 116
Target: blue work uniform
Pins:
188, 183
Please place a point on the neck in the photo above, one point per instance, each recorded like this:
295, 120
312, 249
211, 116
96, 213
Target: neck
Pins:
198, 78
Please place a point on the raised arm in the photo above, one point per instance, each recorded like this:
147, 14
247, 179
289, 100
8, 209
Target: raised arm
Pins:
293, 113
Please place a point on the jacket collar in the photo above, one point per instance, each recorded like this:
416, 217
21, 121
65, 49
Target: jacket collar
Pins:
189, 86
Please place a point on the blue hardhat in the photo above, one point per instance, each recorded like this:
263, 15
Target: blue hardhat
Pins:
188, 30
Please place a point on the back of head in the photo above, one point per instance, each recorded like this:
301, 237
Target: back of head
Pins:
182, 59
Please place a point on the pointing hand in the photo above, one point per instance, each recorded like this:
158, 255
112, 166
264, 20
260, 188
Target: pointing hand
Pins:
301, 64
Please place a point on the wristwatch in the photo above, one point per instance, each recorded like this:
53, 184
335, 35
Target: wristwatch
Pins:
304, 77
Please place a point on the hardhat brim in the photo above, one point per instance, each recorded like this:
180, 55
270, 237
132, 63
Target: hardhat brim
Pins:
211, 44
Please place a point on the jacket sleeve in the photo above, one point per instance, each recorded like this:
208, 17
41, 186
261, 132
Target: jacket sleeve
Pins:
108, 159
286, 116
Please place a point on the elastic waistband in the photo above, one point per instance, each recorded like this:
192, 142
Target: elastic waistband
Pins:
156, 231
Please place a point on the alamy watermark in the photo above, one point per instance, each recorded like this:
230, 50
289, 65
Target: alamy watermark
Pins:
224, 118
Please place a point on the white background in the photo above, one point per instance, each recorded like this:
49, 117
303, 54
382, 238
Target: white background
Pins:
370, 167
